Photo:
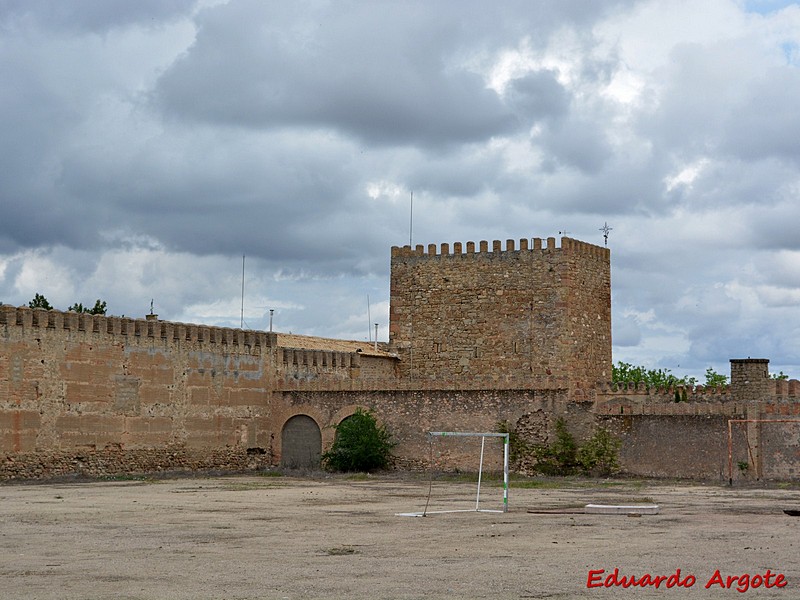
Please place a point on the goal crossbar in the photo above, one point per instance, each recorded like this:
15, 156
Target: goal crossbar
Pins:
483, 436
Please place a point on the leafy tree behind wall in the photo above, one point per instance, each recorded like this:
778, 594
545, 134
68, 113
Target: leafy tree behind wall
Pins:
714, 379
99, 308
624, 372
40, 301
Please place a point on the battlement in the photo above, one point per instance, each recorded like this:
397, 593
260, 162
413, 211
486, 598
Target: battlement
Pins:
327, 359
661, 394
774, 390
391, 384
568, 245
38, 318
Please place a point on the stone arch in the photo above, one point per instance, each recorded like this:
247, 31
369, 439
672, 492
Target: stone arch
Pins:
301, 443
341, 415
345, 412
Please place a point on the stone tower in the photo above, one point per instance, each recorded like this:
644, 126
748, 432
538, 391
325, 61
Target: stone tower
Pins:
503, 314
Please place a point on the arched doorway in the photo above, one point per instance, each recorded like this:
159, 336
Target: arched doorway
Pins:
301, 443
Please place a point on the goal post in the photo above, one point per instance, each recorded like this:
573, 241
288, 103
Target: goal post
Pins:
483, 435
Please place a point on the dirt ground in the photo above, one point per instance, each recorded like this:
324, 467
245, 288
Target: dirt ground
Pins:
249, 537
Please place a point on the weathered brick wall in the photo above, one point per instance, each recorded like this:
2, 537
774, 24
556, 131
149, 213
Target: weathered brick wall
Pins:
691, 445
93, 395
128, 394
90, 395
665, 438
411, 414
527, 312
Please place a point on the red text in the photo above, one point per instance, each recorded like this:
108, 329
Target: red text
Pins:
614, 579
744, 582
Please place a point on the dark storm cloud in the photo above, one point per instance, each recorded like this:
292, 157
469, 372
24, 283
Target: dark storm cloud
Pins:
578, 143
538, 96
354, 70
388, 76
91, 16
767, 123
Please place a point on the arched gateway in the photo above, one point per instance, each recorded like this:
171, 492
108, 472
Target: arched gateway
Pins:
301, 443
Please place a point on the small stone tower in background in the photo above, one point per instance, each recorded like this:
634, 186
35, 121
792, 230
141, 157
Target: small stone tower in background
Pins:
750, 380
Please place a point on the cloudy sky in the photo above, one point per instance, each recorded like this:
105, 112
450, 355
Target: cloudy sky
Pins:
146, 146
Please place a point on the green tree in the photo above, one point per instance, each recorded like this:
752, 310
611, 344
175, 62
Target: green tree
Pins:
40, 301
626, 373
98, 309
360, 445
714, 379
780, 376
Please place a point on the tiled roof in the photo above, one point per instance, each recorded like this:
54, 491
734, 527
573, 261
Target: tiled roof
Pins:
307, 342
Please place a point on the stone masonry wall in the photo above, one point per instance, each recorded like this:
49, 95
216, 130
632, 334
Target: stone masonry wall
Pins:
84, 394
528, 312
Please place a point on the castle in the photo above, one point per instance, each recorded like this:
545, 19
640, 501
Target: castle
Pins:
519, 333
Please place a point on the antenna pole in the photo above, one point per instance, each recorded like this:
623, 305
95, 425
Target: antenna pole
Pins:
411, 222
241, 322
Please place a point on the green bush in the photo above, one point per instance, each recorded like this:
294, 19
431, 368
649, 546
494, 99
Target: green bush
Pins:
560, 457
360, 445
600, 453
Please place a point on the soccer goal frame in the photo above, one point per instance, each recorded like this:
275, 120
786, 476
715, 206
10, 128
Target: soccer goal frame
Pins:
483, 436
757, 467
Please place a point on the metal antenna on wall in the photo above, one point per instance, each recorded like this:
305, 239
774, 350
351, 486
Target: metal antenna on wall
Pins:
605, 229
565, 232
369, 322
241, 322
411, 222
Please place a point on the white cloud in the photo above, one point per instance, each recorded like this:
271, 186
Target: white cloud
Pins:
145, 149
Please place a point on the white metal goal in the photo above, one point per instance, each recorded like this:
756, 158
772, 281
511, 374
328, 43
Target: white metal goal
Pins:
461, 434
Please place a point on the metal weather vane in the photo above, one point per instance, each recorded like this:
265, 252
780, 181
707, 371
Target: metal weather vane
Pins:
605, 229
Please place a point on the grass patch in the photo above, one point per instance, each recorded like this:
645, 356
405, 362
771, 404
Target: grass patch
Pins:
536, 484
341, 551
270, 474
246, 486
129, 477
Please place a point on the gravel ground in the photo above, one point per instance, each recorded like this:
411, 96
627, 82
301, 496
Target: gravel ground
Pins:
251, 537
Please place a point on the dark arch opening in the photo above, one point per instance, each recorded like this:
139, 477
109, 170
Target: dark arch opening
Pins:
301, 443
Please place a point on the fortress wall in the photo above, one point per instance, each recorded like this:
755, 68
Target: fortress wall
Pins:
328, 368
410, 414
142, 393
674, 445
587, 338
